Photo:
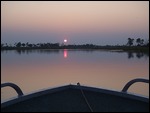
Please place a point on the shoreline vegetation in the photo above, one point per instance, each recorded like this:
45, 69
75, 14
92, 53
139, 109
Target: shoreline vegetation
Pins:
141, 46
85, 46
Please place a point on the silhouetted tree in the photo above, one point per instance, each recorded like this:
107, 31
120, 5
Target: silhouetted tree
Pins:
15, 44
142, 41
130, 41
23, 44
34, 45
30, 45
18, 44
41, 45
27, 44
37, 45
139, 42
6, 45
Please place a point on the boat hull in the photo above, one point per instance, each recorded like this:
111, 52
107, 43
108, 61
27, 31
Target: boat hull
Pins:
73, 98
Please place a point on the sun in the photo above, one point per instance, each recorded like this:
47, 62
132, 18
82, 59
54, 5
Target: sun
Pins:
65, 40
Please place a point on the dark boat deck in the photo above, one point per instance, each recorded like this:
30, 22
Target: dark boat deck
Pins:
70, 99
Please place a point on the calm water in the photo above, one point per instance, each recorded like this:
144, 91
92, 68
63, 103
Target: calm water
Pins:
35, 70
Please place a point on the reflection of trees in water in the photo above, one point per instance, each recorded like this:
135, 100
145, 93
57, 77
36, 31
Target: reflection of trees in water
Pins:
137, 54
48, 51
130, 55
36, 51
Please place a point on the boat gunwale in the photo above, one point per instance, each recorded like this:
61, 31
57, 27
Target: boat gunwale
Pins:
70, 86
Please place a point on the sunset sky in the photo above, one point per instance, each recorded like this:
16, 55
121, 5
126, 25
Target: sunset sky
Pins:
80, 22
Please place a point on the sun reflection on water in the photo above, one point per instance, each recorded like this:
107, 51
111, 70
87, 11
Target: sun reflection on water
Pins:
65, 53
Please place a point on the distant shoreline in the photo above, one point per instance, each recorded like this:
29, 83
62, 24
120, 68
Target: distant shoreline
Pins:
123, 48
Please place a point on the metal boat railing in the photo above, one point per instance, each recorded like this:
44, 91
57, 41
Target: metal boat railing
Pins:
14, 86
126, 87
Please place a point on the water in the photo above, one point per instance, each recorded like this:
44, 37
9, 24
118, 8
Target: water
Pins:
34, 70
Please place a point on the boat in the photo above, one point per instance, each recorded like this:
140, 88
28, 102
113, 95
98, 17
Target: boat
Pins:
77, 98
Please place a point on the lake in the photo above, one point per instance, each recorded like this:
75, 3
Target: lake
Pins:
35, 70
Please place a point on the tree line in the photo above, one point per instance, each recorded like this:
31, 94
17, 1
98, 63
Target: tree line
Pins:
20, 45
139, 41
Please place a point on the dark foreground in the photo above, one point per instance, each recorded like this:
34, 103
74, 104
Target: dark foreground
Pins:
74, 98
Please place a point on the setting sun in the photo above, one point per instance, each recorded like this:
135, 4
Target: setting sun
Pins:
65, 40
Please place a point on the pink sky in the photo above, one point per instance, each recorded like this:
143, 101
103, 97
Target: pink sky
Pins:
104, 18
